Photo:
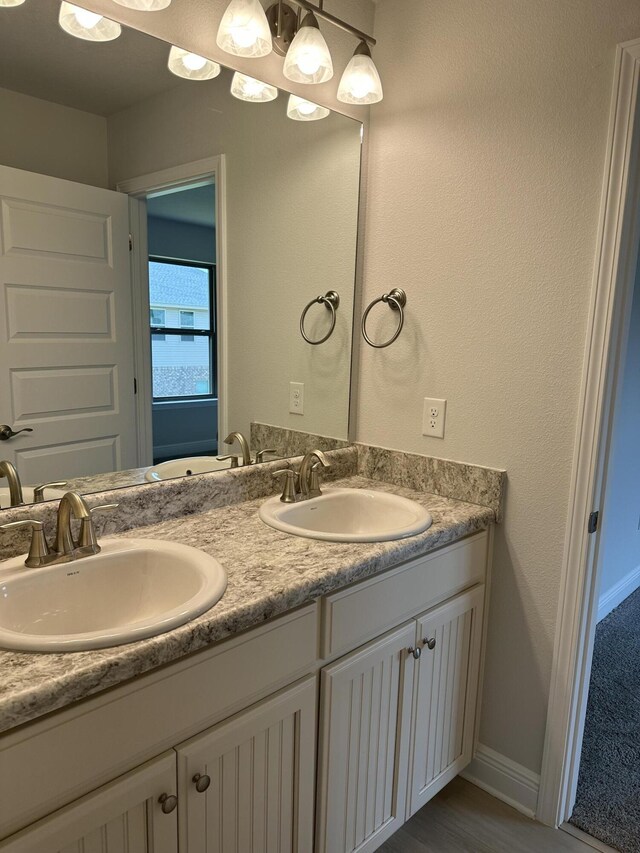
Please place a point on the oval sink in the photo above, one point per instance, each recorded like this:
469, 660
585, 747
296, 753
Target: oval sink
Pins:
348, 515
27, 494
132, 589
184, 467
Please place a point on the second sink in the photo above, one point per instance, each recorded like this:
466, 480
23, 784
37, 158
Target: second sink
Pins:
348, 515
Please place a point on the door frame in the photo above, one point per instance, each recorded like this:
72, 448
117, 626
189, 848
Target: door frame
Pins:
138, 188
607, 334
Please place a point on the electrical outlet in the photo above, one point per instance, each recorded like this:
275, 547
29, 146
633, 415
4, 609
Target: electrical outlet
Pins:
433, 416
296, 398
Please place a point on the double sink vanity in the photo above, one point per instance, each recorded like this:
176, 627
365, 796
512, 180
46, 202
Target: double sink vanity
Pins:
326, 696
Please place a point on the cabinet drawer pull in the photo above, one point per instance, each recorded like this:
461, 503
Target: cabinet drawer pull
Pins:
201, 782
168, 802
415, 652
430, 643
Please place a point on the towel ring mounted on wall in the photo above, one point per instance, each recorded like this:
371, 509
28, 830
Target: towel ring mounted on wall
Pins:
331, 301
396, 300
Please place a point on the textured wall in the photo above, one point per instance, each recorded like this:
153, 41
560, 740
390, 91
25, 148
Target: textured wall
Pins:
620, 537
50, 139
485, 170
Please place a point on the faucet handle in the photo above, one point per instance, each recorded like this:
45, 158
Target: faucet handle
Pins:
38, 549
289, 493
87, 538
234, 460
260, 454
38, 492
314, 480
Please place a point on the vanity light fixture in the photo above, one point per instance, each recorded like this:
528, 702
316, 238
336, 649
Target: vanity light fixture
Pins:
299, 109
360, 82
7, 3
87, 25
249, 89
191, 66
244, 29
144, 5
308, 59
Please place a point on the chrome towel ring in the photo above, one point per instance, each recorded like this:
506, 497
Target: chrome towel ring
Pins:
396, 300
331, 301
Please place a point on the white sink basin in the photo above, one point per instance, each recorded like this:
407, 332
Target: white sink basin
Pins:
27, 494
185, 466
348, 515
134, 588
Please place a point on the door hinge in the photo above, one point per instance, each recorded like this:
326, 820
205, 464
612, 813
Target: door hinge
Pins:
131, 242
592, 524
135, 385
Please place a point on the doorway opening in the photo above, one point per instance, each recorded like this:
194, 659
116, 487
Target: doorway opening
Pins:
182, 321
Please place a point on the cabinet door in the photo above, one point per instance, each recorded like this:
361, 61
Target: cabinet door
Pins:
124, 816
260, 765
366, 714
445, 694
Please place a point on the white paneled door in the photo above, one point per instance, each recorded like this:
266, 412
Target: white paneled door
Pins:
66, 335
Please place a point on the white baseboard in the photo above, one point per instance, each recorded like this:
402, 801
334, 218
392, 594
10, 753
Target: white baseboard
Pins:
610, 599
503, 778
187, 448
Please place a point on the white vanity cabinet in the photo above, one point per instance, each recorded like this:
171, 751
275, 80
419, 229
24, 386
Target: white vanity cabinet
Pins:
232, 731
397, 715
248, 784
124, 816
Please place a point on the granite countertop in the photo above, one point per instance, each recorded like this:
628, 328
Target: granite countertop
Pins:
269, 574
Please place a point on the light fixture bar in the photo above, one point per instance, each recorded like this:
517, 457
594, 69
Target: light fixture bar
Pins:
337, 22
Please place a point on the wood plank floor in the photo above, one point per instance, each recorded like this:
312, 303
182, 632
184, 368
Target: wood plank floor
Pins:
464, 819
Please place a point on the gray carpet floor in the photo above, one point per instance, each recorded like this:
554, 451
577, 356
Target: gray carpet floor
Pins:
608, 801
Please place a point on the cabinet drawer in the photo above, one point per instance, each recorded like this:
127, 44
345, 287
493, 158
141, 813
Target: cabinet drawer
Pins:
366, 609
78, 749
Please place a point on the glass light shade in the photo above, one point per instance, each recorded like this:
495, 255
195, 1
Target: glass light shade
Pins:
299, 109
7, 3
144, 5
244, 29
249, 89
360, 83
87, 25
191, 66
308, 59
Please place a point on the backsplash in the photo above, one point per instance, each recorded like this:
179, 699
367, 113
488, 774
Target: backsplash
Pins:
291, 442
473, 483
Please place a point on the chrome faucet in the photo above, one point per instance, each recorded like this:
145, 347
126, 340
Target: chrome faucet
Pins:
244, 445
15, 487
66, 548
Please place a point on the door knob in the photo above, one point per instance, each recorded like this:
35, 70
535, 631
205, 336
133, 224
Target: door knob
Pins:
6, 432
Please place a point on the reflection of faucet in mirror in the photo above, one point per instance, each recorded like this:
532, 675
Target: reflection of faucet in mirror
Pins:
15, 487
244, 446
66, 548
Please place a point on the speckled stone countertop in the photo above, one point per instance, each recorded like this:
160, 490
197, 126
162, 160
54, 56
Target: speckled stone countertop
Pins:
269, 573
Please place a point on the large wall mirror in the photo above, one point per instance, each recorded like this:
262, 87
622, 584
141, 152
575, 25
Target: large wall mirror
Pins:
129, 363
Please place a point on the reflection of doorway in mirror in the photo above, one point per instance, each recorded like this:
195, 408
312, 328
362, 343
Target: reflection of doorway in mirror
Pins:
182, 265
176, 250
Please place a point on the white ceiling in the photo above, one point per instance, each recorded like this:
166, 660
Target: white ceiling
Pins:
38, 58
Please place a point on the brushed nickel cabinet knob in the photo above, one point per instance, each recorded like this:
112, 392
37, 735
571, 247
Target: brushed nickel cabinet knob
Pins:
202, 782
168, 802
430, 643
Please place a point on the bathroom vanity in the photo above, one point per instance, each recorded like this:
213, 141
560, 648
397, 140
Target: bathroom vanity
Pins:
339, 697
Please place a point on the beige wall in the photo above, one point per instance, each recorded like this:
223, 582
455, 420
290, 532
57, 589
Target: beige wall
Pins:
50, 139
292, 202
485, 171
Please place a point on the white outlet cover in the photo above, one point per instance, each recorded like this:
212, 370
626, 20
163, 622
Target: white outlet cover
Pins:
296, 398
433, 417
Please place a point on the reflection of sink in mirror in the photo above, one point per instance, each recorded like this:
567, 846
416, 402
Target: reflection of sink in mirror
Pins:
348, 515
164, 142
27, 494
185, 467
132, 589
